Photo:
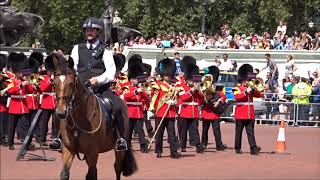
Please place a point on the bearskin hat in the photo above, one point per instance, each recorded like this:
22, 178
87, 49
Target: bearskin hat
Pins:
190, 71
244, 72
17, 61
119, 61
135, 58
185, 61
214, 71
38, 57
135, 70
3, 61
166, 67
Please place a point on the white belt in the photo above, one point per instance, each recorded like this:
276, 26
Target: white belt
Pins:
190, 103
32, 95
134, 103
18, 96
48, 93
244, 103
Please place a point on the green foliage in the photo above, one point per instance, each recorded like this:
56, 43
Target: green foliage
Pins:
64, 19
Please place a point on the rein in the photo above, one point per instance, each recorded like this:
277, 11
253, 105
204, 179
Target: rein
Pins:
74, 105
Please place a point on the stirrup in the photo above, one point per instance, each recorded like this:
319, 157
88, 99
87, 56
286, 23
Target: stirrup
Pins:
121, 145
56, 144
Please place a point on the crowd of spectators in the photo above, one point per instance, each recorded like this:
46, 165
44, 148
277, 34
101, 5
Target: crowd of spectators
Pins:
225, 40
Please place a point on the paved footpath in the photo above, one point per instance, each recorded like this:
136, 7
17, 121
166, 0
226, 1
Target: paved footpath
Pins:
302, 160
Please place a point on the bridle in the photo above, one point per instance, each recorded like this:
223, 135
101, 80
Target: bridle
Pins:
74, 104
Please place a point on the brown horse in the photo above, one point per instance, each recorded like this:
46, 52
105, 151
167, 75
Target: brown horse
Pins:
83, 124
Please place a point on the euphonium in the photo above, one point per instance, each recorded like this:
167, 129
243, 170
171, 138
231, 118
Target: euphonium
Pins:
206, 87
256, 84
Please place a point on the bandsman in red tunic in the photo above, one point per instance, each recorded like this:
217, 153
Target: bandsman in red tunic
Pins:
244, 112
190, 100
17, 89
180, 82
213, 99
163, 105
47, 104
136, 98
3, 100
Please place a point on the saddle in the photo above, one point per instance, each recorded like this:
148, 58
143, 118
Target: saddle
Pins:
106, 106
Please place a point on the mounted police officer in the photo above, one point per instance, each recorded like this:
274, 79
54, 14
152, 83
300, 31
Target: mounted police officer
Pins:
95, 66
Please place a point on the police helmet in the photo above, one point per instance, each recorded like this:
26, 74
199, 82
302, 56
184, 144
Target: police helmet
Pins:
92, 22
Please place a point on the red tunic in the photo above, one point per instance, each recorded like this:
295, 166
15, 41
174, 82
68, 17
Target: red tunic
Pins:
18, 101
208, 114
244, 107
136, 102
47, 99
160, 89
3, 107
189, 103
32, 97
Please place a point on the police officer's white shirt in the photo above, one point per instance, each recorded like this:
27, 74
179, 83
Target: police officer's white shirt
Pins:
107, 60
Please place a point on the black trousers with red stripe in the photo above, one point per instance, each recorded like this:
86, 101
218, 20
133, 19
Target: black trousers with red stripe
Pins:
249, 125
216, 132
12, 125
3, 125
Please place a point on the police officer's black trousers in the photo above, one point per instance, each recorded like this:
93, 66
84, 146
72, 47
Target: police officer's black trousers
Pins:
3, 125
137, 124
12, 125
168, 123
216, 131
192, 126
249, 125
117, 113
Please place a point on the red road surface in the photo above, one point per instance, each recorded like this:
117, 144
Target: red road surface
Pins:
302, 160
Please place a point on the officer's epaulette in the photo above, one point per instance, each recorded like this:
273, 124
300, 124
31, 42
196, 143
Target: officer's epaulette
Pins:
155, 85
40, 77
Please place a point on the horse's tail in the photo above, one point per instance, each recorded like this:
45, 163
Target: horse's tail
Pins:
129, 163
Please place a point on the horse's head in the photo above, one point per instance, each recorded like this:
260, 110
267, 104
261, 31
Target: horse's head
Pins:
64, 81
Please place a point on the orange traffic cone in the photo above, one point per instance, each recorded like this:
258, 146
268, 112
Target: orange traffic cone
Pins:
281, 141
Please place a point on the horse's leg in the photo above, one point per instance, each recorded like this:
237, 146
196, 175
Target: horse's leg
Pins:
91, 160
67, 157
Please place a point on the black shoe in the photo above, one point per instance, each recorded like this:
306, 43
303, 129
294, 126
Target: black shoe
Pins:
11, 147
222, 147
200, 149
175, 155
144, 149
3, 142
159, 155
238, 151
255, 151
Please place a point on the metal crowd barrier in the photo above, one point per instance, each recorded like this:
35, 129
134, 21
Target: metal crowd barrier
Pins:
272, 112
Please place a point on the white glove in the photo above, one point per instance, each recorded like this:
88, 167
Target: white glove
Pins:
171, 102
150, 115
